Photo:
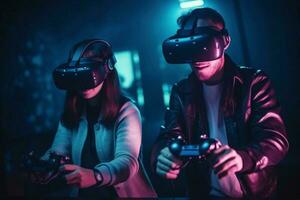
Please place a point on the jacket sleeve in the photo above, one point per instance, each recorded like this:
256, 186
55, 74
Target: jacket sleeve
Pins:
128, 136
269, 138
173, 125
61, 143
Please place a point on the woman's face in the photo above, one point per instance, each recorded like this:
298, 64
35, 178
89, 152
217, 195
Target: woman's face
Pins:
90, 93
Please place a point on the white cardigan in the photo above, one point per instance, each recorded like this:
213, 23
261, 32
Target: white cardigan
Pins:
117, 148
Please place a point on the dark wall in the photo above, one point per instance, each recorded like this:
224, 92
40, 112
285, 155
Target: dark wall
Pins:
273, 39
37, 35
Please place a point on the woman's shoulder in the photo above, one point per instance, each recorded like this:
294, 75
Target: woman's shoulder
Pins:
128, 108
127, 104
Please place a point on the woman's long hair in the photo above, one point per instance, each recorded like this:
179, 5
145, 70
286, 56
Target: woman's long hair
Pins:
109, 101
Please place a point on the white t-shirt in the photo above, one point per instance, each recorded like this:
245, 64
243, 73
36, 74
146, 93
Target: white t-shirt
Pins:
228, 185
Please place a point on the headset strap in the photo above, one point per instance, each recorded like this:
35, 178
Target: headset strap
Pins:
81, 49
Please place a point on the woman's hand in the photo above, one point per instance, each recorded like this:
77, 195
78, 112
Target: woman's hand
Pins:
79, 176
225, 160
168, 166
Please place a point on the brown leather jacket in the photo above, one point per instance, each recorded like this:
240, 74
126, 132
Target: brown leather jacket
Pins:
253, 123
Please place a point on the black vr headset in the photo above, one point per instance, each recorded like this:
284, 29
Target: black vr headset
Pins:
89, 63
195, 44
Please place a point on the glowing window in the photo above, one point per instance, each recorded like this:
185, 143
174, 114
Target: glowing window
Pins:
124, 66
190, 3
166, 88
128, 66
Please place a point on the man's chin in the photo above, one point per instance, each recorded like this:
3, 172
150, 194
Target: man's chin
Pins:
201, 76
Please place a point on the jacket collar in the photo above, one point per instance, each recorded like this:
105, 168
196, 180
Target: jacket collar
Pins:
232, 71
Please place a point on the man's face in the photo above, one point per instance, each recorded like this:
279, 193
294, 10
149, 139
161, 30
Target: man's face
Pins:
206, 70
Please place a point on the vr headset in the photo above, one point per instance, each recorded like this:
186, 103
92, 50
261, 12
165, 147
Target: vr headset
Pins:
195, 44
89, 63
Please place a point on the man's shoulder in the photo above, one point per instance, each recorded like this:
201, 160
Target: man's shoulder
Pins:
249, 73
183, 82
183, 85
243, 72
248, 70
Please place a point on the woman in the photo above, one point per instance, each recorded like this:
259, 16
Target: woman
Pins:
100, 128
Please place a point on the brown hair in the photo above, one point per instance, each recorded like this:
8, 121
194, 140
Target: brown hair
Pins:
202, 13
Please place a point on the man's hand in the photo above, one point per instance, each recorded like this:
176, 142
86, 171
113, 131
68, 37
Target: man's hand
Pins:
40, 178
168, 166
225, 160
78, 176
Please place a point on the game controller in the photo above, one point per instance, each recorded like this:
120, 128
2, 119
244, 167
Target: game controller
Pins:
44, 171
179, 148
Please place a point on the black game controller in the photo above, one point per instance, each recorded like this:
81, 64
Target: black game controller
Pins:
178, 148
44, 171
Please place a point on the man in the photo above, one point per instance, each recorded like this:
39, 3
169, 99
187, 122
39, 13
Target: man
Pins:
234, 105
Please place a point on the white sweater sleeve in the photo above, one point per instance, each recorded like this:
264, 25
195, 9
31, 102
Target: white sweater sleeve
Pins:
61, 143
128, 133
